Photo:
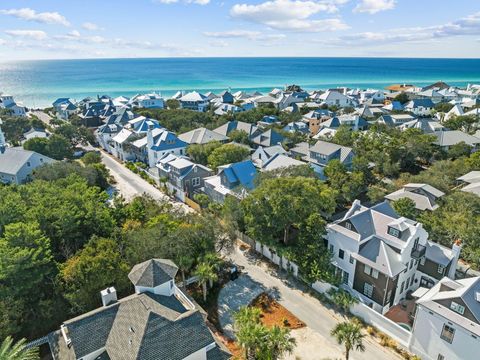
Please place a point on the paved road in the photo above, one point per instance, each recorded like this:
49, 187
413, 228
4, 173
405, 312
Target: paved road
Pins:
130, 184
233, 296
308, 309
42, 116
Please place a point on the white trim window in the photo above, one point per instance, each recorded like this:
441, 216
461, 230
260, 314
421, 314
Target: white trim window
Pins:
368, 290
367, 270
457, 307
448, 333
196, 181
375, 274
441, 269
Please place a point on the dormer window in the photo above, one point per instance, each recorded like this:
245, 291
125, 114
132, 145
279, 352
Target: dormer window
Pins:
394, 232
348, 225
457, 307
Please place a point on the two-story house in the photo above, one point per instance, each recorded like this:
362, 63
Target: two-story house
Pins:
183, 177
194, 101
378, 255
322, 152
157, 322
447, 320
233, 179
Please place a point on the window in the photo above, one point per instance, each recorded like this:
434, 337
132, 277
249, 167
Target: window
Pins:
367, 270
441, 269
332, 250
28, 163
393, 232
351, 259
341, 253
345, 277
375, 273
401, 287
348, 226
368, 290
411, 264
196, 181
457, 307
447, 333
412, 279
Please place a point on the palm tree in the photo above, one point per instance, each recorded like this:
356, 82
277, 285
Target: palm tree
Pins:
279, 342
213, 260
205, 273
350, 335
249, 330
17, 351
184, 263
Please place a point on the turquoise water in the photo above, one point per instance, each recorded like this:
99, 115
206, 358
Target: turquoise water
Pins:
38, 83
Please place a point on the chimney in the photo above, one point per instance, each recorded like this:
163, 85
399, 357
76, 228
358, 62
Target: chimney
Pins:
456, 249
109, 296
150, 136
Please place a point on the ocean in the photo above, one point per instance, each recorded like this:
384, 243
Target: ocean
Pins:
39, 83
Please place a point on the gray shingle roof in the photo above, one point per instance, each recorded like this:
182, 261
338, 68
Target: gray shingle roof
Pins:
152, 273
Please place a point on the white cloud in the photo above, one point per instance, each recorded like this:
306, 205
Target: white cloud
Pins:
246, 34
31, 15
216, 43
77, 37
31, 34
293, 15
374, 6
91, 26
2, 42
467, 26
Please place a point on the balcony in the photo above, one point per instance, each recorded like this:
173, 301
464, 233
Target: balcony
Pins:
418, 251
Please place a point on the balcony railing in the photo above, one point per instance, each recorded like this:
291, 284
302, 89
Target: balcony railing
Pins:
418, 251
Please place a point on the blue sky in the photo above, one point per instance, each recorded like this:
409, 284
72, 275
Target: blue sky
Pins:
52, 29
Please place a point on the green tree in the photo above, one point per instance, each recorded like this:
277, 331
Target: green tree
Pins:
279, 342
349, 334
405, 207
199, 153
27, 272
258, 341
457, 218
227, 154
239, 136
458, 150
278, 205
17, 351
59, 147
344, 136
349, 185
38, 145
206, 273
173, 104
402, 98
342, 299
97, 266
92, 157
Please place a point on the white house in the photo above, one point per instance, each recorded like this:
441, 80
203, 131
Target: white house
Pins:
16, 164
194, 101
447, 320
330, 98
7, 102
381, 257
148, 101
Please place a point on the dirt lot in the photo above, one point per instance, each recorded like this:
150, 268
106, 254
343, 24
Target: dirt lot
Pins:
275, 314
